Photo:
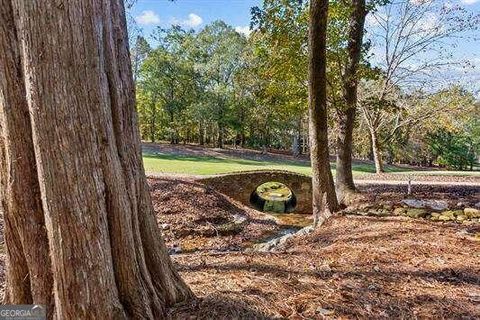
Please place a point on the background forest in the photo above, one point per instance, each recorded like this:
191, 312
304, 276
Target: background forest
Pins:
217, 87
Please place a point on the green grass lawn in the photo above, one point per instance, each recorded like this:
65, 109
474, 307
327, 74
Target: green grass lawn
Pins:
204, 165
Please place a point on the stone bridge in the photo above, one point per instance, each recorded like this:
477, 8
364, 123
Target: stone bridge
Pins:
240, 186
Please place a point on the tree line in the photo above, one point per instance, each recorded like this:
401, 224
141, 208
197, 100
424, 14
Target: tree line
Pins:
217, 86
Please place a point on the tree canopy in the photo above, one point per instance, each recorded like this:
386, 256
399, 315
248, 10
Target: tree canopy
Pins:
215, 86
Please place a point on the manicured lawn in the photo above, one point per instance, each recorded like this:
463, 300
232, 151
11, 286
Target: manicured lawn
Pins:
205, 165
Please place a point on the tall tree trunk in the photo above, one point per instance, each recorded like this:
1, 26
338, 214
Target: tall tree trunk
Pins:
324, 197
370, 150
296, 147
344, 176
173, 137
201, 133
346, 117
29, 278
70, 112
377, 154
153, 122
221, 134
136, 61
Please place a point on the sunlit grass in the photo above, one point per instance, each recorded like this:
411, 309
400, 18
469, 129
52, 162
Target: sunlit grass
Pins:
201, 165
204, 165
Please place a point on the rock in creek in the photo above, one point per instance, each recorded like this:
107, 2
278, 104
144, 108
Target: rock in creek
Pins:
437, 205
472, 213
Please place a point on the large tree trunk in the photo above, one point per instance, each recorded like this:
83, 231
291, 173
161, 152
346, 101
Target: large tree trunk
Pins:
70, 142
324, 197
221, 136
28, 266
346, 117
377, 154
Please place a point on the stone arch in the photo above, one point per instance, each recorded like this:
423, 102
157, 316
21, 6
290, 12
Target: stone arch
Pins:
239, 185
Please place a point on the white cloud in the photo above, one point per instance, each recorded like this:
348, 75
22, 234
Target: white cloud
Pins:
193, 20
148, 17
243, 30
469, 1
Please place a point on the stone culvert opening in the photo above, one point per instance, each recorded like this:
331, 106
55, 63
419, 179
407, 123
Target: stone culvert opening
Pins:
240, 185
273, 197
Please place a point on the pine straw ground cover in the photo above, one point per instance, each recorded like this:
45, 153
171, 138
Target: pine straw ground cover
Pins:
353, 267
196, 218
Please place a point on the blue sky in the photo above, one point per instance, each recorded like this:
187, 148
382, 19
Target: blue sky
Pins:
198, 13
192, 13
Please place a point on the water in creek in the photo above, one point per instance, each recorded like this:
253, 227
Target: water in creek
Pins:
278, 201
274, 197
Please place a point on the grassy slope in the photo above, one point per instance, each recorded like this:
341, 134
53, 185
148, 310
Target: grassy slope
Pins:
204, 165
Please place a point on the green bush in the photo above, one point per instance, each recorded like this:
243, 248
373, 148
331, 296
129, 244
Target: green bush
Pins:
453, 150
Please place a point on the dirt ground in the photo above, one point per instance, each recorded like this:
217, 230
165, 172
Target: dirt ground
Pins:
353, 267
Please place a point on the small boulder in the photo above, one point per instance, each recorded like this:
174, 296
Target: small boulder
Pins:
416, 213
387, 205
384, 213
437, 205
434, 216
450, 215
472, 213
378, 212
445, 218
399, 211
412, 203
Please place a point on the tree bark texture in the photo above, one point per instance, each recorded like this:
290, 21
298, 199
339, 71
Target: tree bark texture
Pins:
28, 264
80, 230
221, 135
346, 115
376, 150
324, 197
